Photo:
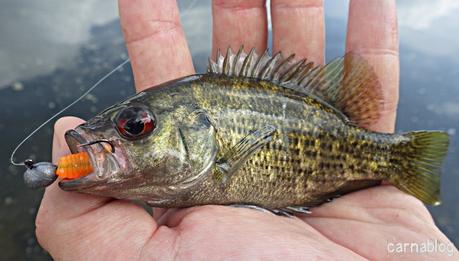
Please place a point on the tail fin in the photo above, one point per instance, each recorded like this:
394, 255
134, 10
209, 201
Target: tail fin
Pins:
422, 157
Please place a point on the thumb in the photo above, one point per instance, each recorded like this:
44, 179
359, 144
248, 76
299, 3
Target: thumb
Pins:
60, 147
74, 226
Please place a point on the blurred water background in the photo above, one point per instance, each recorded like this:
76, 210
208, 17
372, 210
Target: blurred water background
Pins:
51, 51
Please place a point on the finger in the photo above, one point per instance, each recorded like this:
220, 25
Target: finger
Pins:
158, 212
60, 147
155, 41
298, 27
373, 34
80, 202
73, 225
239, 22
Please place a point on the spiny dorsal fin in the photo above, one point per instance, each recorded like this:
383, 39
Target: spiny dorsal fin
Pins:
347, 83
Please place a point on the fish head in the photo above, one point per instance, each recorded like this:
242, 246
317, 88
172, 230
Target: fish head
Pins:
150, 147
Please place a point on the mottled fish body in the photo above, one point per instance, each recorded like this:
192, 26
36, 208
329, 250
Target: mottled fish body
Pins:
256, 130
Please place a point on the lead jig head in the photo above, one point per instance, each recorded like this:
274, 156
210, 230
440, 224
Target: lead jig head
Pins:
39, 175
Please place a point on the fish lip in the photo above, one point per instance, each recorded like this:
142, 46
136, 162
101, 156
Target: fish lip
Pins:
79, 184
73, 139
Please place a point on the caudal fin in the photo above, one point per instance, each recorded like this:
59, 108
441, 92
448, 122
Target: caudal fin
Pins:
420, 165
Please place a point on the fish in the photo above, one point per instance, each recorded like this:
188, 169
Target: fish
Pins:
255, 130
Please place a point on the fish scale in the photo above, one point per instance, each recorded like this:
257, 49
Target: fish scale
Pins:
258, 130
272, 159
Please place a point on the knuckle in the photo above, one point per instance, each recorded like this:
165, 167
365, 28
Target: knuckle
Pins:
239, 5
373, 50
150, 29
297, 4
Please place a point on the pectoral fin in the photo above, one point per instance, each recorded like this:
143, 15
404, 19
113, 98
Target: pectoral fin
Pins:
237, 155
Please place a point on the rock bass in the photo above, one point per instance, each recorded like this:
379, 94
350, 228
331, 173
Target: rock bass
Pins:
255, 130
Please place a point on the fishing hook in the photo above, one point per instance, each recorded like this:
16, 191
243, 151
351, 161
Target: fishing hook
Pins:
112, 147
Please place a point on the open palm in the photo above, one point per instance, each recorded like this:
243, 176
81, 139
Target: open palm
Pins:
359, 225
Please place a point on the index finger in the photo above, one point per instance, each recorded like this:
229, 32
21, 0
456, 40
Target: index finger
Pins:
373, 34
155, 41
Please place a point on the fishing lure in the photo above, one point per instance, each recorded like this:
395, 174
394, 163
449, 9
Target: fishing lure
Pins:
74, 166
71, 166
254, 130
42, 174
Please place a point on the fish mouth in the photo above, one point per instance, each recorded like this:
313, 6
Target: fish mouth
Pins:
103, 161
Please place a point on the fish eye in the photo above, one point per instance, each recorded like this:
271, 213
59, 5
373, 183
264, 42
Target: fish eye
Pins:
134, 123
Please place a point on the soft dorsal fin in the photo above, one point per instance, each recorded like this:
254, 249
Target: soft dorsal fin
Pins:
347, 83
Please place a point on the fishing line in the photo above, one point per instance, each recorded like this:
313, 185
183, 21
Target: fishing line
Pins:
26, 162
62, 110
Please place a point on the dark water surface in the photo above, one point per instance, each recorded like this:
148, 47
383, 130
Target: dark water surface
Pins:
51, 51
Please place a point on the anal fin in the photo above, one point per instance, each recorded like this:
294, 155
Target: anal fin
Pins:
285, 212
297, 210
347, 187
354, 185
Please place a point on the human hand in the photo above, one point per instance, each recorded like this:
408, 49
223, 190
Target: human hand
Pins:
356, 226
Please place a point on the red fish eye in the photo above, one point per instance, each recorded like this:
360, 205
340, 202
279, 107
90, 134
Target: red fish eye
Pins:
135, 122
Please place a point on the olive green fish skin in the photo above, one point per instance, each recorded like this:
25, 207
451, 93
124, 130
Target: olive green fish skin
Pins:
255, 130
312, 155
314, 152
